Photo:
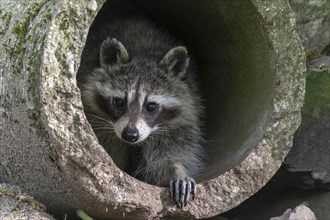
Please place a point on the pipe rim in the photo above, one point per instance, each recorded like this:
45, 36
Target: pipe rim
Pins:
216, 195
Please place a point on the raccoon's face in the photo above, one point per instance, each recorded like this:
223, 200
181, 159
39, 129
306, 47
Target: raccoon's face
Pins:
138, 97
138, 111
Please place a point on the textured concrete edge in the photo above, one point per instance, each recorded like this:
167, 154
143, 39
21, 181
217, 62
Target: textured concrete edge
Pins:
85, 160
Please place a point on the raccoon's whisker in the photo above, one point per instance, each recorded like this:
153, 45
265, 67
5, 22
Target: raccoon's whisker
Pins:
105, 129
164, 132
100, 118
105, 137
99, 122
157, 140
102, 126
159, 133
140, 144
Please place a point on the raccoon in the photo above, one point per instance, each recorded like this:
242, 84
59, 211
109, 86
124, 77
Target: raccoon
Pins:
139, 94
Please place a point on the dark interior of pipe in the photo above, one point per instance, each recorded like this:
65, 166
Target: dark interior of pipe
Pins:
229, 43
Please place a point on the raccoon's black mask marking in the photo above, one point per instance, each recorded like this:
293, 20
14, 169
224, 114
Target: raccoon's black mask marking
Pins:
164, 115
139, 80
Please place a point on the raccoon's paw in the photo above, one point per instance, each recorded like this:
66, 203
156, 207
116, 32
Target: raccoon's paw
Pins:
182, 189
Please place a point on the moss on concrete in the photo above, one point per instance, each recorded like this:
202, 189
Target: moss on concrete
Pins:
24, 26
21, 28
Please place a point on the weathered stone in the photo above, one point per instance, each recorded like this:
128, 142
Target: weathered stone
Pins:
308, 162
320, 64
50, 151
271, 201
313, 22
16, 205
301, 212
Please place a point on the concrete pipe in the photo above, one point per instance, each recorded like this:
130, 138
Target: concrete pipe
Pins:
252, 81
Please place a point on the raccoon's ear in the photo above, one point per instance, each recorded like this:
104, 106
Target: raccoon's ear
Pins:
175, 61
112, 53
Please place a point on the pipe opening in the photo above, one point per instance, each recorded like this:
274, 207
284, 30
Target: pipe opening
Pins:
236, 78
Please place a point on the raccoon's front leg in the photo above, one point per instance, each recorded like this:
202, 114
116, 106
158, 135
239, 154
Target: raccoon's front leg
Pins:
182, 186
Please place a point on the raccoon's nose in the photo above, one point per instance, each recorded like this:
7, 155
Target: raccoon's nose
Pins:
130, 134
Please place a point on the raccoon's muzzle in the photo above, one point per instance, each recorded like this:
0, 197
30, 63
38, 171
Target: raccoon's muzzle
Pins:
130, 134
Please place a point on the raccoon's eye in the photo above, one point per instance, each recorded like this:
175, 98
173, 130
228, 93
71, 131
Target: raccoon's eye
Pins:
152, 107
118, 103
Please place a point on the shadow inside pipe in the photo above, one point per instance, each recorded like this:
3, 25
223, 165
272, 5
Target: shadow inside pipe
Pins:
235, 59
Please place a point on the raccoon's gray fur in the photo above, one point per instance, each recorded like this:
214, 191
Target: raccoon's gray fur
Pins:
139, 95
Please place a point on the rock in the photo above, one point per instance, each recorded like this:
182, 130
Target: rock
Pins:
326, 51
313, 22
301, 212
16, 205
320, 64
271, 201
308, 163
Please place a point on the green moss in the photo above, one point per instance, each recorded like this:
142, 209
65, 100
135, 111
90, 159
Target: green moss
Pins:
32, 202
317, 99
5, 16
26, 42
5, 192
48, 16
64, 25
5, 20
21, 30
21, 198
305, 203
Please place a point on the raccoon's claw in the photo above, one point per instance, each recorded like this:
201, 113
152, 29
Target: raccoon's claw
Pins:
181, 189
